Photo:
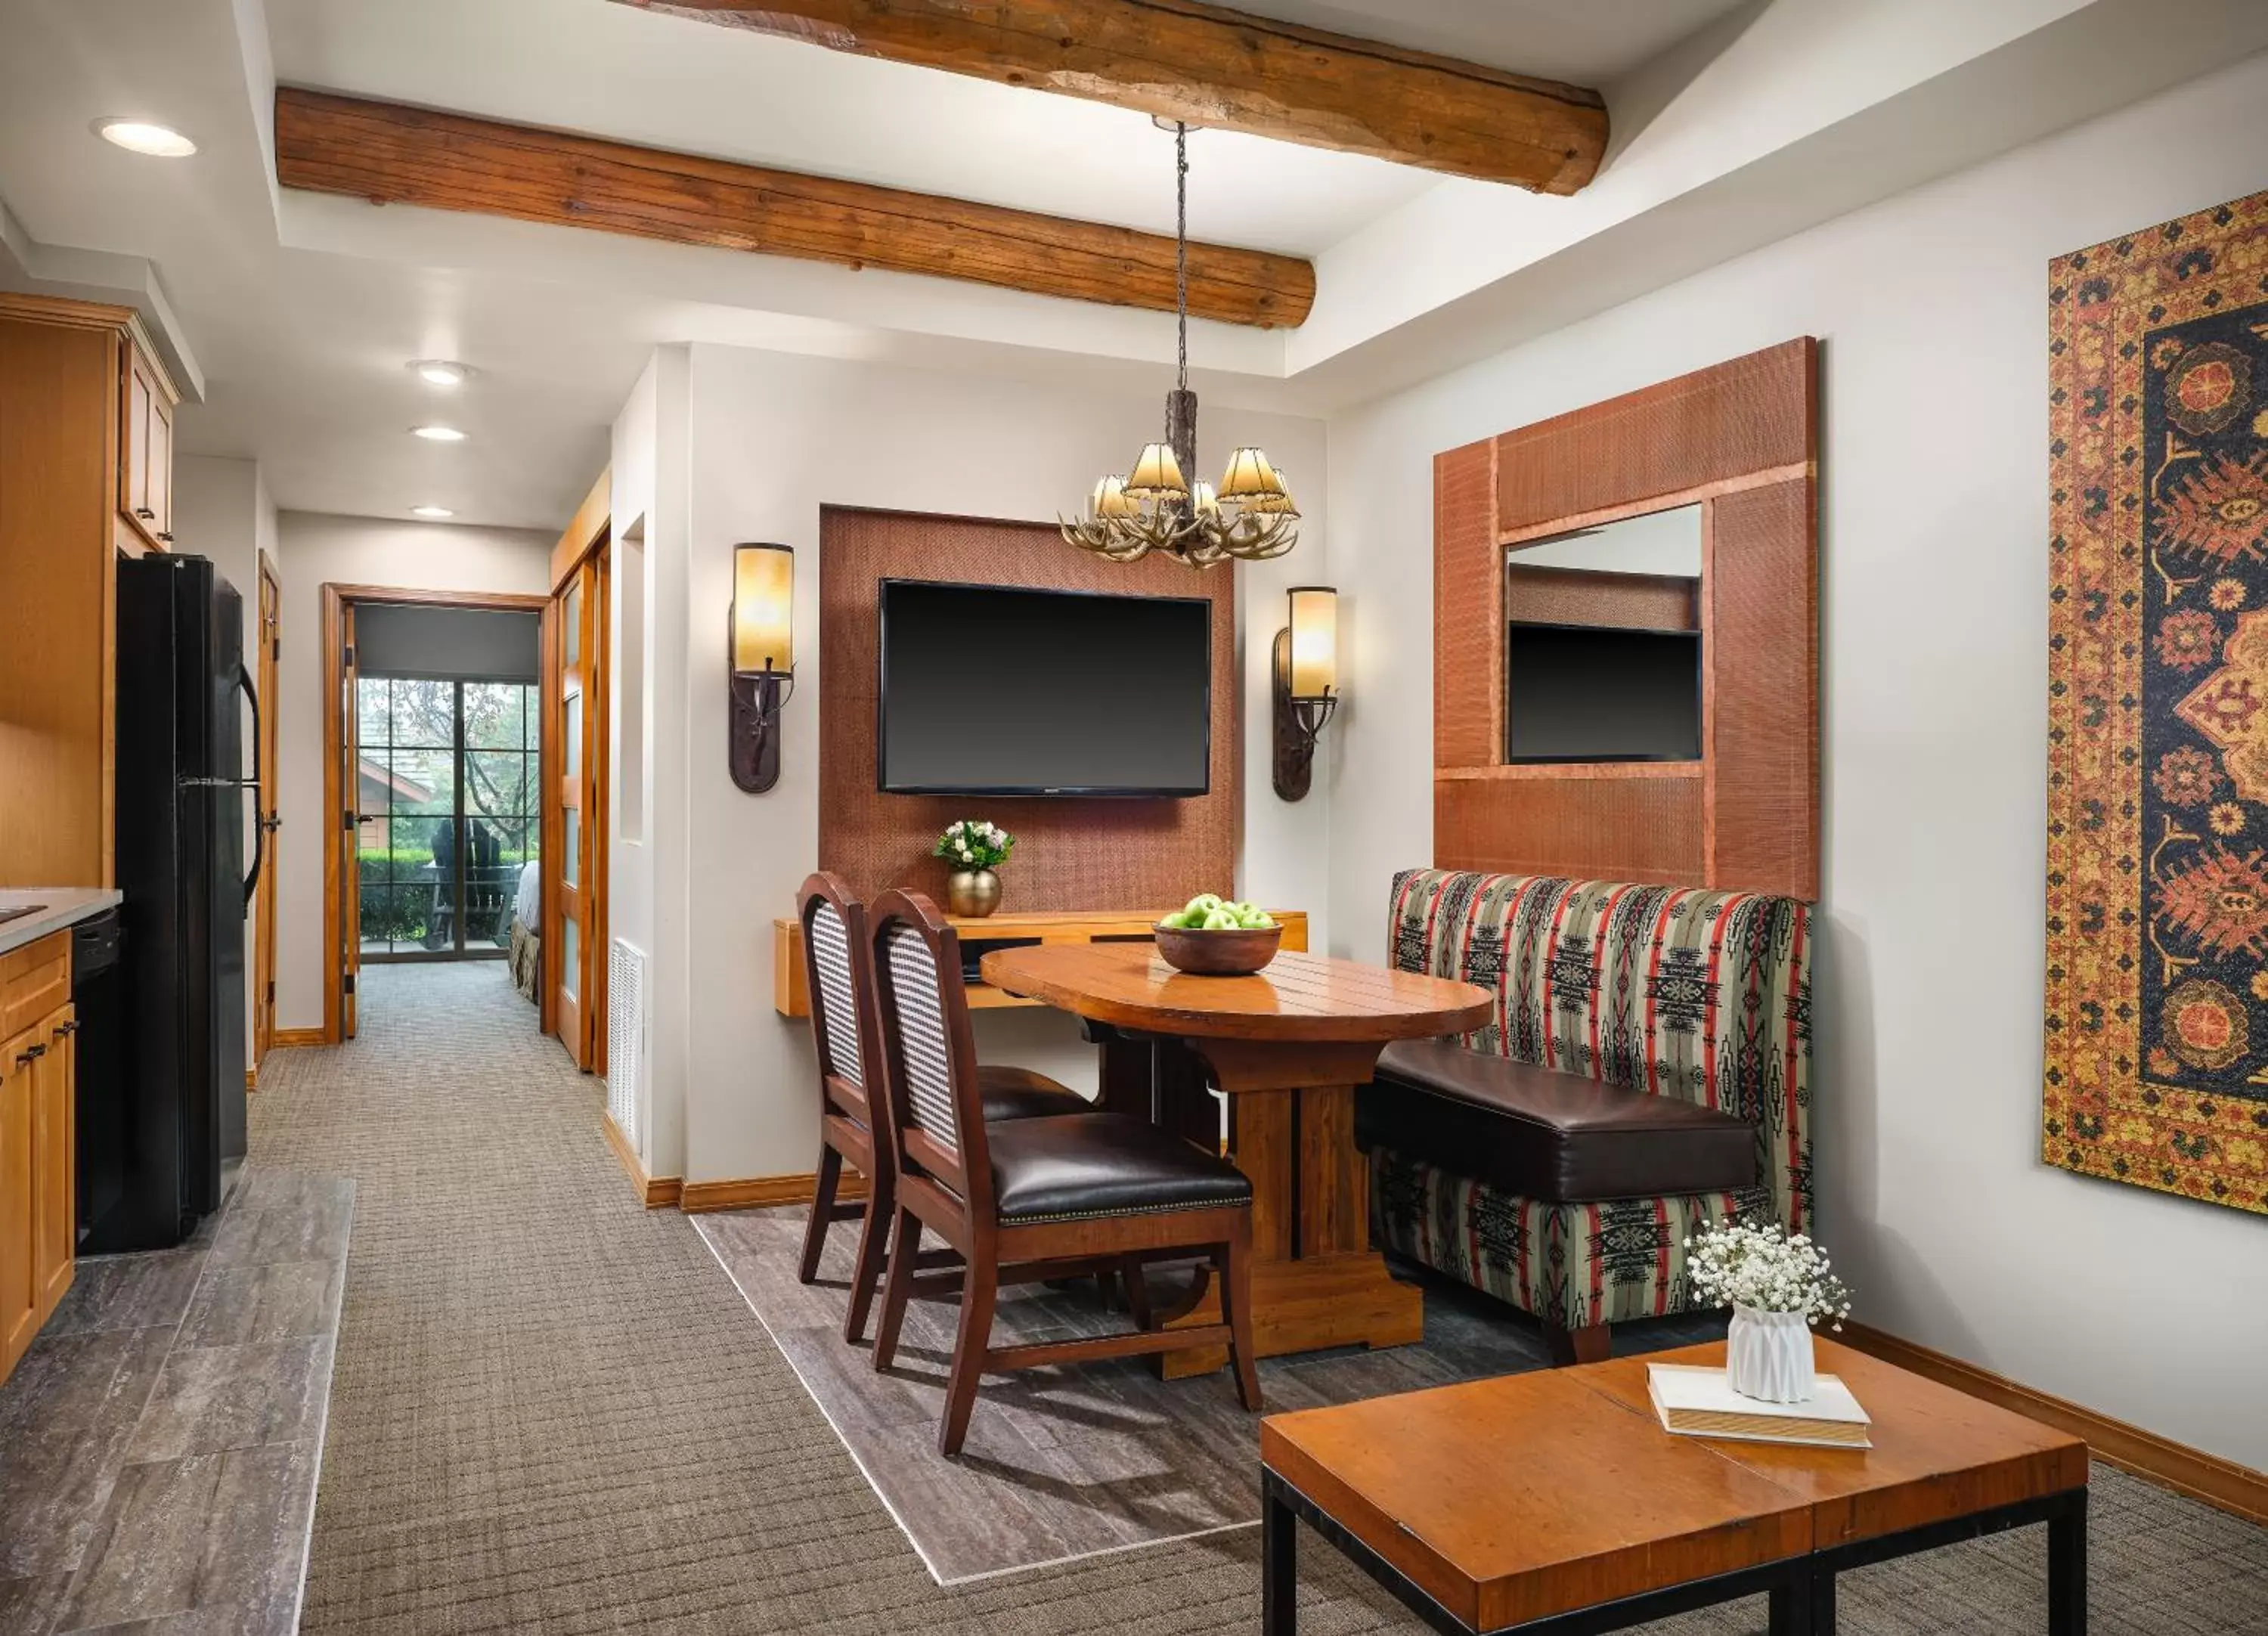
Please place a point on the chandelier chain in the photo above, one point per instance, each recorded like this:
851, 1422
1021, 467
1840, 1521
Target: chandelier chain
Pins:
1181, 250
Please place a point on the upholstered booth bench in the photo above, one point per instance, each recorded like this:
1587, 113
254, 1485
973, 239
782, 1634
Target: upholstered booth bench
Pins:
1648, 1072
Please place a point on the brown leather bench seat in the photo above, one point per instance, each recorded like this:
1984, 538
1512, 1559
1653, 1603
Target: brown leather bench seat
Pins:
1557, 1137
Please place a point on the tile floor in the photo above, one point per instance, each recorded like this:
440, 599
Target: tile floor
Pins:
160, 1442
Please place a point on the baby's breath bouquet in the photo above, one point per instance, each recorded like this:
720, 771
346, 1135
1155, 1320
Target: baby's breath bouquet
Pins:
1778, 1284
1765, 1269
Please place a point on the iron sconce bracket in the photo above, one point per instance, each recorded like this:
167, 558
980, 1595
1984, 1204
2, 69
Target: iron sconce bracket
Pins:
1299, 722
753, 726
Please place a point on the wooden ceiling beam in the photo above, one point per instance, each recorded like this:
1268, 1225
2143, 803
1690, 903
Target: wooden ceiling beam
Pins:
390, 154
1211, 66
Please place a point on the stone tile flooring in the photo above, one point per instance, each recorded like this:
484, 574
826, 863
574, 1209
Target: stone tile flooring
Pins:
160, 1442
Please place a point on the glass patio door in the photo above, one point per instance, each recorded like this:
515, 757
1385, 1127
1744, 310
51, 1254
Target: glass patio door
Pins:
448, 779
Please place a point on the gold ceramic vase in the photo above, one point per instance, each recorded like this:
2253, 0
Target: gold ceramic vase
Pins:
972, 894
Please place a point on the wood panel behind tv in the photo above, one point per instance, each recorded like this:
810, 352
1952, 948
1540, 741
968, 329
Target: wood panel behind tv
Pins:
1071, 852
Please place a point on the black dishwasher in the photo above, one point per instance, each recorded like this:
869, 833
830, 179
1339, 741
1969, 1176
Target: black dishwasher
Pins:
105, 1155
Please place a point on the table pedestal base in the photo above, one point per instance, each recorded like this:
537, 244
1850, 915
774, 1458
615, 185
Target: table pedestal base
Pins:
1307, 1305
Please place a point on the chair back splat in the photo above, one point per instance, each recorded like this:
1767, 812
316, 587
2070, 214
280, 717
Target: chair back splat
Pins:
936, 1104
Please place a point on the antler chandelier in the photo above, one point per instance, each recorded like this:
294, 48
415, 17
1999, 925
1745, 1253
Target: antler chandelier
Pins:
1249, 517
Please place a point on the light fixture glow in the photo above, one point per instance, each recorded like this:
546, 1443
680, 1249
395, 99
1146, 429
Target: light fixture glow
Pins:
435, 513
440, 372
136, 135
438, 434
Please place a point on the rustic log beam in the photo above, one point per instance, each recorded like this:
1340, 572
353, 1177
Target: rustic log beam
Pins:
394, 155
1209, 65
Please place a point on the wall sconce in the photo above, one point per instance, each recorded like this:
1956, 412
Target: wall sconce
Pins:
761, 660
1306, 672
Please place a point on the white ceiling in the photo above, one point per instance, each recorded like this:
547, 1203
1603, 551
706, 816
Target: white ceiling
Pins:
303, 310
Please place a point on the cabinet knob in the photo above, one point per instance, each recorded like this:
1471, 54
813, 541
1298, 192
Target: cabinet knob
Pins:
166, 535
32, 1054
64, 1028
145, 514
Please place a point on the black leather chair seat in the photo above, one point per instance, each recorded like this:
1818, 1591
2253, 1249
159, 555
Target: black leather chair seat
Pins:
1020, 1094
1103, 1164
1540, 1134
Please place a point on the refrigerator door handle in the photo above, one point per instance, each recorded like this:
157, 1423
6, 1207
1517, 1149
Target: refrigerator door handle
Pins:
259, 830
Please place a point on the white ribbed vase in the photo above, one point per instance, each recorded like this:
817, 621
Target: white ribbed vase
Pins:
1768, 1356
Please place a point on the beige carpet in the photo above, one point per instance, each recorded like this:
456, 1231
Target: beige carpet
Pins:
552, 1412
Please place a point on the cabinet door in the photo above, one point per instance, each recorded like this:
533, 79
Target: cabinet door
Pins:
158, 478
55, 1153
134, 445
20, 1314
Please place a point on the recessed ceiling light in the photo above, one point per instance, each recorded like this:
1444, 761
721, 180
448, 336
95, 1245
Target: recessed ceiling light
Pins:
438, 434
434, 513
438, 372
140, 136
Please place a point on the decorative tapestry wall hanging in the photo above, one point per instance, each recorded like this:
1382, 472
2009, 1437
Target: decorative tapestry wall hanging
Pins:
2157, 952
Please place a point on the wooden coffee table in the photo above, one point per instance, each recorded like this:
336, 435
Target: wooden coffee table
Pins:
1553, 1501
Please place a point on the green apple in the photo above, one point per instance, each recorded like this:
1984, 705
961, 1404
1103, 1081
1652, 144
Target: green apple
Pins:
1221, 920
1203, 903
1255, 919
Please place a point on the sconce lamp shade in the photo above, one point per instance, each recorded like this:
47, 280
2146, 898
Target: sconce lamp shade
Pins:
1157, 474
764, 598
1315, 641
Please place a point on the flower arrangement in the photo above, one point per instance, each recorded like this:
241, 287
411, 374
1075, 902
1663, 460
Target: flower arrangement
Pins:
973, 843
1765, 1270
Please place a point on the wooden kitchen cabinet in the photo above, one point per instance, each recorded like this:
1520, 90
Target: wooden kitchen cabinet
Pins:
145, 448
39, 1140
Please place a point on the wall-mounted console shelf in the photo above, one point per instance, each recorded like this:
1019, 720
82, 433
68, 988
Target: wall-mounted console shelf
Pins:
790, 998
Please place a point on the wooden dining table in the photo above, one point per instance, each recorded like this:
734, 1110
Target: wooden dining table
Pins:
1287, 1046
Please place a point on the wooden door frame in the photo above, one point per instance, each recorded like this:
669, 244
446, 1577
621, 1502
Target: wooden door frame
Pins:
589, 539
337, 599
267, 592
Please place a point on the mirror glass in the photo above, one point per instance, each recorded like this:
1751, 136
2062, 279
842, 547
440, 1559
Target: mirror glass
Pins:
1603, 643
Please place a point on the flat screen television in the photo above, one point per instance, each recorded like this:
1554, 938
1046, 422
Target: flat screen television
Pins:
1001, 690
1578, 693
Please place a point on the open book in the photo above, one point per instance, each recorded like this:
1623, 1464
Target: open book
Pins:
1699, 1403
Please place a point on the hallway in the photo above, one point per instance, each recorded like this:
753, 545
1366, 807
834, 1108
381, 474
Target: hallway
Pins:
552, 1412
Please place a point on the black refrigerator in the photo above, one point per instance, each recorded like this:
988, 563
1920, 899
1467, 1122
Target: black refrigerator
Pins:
182, 799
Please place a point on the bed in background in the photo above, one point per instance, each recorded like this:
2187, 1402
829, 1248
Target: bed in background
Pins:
527, 935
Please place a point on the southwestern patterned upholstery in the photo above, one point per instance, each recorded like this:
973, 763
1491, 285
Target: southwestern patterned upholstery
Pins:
1670, 991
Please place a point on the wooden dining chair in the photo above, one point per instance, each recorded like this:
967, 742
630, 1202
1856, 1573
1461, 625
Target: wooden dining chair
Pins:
1026, 1199
838, 971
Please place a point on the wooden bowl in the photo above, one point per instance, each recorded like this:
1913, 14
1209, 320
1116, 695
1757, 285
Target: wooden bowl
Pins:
1225, 954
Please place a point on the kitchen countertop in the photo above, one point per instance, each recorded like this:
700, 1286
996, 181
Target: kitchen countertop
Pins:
59, 906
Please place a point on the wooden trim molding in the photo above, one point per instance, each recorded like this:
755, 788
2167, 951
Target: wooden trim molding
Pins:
586, 531
758, 1192
2222, 1483
391, 154
1225, 70
655, 1192
285, 1039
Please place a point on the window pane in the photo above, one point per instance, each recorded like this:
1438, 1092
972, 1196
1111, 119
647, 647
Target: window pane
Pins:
571, 964
572, 729
424, 714
499, 783
531, 716
492, 715
570, 847
571, 625
373, 712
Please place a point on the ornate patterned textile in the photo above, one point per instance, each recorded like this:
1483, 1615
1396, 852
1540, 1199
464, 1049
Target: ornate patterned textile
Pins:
1671, 990
2157, 940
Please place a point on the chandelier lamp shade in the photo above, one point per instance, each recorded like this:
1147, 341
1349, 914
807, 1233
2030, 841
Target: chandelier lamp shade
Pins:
1249, 516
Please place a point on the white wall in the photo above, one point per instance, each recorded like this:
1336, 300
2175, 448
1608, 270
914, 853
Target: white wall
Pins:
314, 551
1932, 307
770, 438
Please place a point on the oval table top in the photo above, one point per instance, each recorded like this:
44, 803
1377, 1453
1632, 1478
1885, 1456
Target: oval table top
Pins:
1297, 997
